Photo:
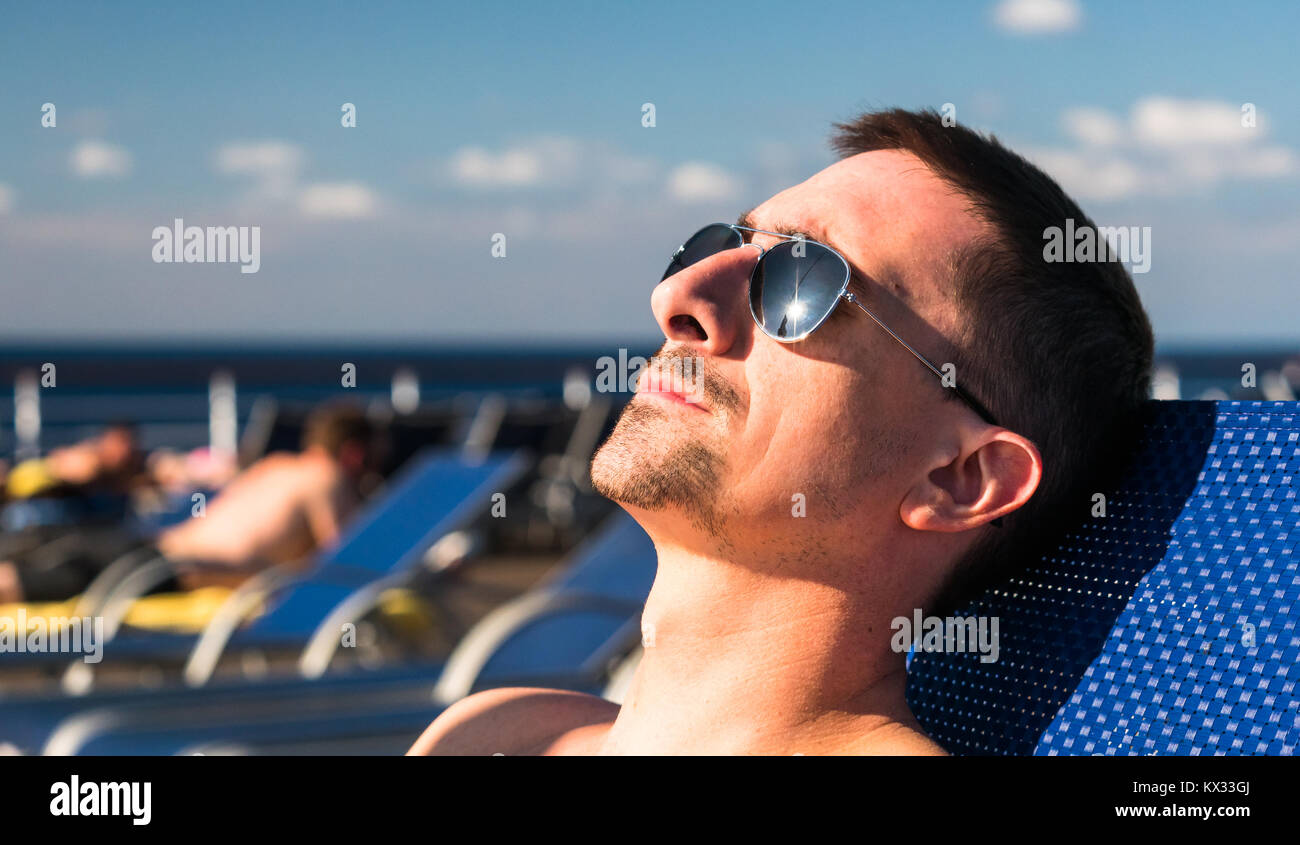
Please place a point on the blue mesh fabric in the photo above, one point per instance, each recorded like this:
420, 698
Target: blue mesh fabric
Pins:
1168, 626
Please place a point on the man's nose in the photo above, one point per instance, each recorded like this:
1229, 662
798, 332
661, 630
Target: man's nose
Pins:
706, 306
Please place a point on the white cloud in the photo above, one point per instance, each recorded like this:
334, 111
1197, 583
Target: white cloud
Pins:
1270, 161
260, 158
513, 168
1038, 16
1162, 122
698, 181
275, 168
548, 162
273, 165
542, 161
6, 198
1164, 147
97, 159
338, 200
1095, 127
1089, 174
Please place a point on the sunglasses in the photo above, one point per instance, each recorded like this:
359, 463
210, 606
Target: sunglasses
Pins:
794, 287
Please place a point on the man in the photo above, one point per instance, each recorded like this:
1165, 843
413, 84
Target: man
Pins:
949, 411
284, 507
278, 511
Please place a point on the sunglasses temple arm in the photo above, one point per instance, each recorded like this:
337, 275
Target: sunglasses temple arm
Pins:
965, 397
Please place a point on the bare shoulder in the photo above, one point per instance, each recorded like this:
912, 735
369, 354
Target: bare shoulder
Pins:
274, 464
519, 721
304, 476
316, 468
897, 741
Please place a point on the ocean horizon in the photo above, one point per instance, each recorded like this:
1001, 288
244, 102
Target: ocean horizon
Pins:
163, 385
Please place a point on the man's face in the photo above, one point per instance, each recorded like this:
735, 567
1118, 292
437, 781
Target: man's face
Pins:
835, 425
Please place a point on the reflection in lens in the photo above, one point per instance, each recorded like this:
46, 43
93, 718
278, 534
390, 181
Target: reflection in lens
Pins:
710, 240
792, 294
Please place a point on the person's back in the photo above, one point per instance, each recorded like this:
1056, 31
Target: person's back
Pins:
283, 508
278, 511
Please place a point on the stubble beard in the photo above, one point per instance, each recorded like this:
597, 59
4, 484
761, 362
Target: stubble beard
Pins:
652, 463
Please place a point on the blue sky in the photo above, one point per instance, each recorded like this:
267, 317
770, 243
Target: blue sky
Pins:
526, 120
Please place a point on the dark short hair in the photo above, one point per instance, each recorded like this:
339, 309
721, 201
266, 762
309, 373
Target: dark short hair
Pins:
1059, 352
332, 426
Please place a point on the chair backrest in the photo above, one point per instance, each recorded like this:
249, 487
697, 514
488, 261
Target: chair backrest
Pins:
1166, 625
440, 493
272, 426
618, 563
406, 435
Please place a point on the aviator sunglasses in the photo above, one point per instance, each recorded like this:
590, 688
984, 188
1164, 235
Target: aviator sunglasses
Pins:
794, 287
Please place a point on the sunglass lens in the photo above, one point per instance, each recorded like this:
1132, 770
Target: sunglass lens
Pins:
794, 288
708, 241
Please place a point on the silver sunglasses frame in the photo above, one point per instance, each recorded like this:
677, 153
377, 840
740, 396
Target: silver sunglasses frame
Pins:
843, 294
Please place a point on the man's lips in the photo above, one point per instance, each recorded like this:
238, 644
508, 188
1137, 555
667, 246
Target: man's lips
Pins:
672, 396
660, 386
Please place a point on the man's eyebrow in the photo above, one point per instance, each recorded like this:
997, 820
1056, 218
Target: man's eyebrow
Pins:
746, 220
812, 233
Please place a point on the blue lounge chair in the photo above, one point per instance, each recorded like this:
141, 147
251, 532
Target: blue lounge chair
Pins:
1167, 626
439, 494
568, 631
27, 720
563, 633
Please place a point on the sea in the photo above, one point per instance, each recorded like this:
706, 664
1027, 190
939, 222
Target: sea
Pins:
164, 387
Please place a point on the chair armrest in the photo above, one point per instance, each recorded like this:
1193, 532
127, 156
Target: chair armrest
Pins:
91, 602
210, 644
443, 558
468, 660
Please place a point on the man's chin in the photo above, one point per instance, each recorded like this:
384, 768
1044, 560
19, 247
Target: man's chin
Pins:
633, 454
649, 464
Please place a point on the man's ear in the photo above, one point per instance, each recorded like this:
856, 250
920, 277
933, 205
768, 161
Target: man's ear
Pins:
994, 473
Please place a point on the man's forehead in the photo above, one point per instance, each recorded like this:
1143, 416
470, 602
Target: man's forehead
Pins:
886, 211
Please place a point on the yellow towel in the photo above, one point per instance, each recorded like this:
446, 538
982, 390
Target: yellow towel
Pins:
45, 610
30, 478
183, 612
406, 612
190, 612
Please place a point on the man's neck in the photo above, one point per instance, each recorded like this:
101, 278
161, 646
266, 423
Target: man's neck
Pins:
744, 662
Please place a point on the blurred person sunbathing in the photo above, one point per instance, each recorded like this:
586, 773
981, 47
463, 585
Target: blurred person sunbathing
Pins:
109, 462
279, 511
177, 473
899, 399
